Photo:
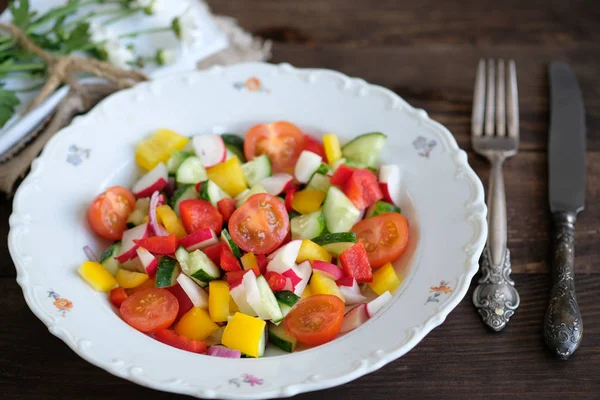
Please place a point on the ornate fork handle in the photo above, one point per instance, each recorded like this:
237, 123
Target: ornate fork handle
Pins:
495, 297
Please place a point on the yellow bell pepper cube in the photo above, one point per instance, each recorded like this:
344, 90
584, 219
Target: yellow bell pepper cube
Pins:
311, 251
169, 219
306, 293
130, 279
97, 276
333, 151
218, 301
229, 176
196, 324
249, 261
385, 279
320, 284
233, 308
158, 148
246, 334
308, 200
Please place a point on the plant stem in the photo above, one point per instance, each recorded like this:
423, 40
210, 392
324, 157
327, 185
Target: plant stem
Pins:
125, 14
57, 13
144, 32
91, 15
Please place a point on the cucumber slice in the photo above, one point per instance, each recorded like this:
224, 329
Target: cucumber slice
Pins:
322, 170
335, 238
210, 191
280, 338
167, 272
340, 213
257, 169
177, 158
319, 182
233, 151
308, 226
293, 214
286, 300
226, 238
233, 140
335, 249
191, 171
197, 266
268, 300
365, 149
381, 207
242, 197
140, 212
185, 192
107, 258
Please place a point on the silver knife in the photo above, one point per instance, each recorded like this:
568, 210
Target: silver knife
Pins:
563, 328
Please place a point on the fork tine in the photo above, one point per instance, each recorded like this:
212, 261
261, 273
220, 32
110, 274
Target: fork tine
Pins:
478, 100
489, 101
500, 101
512, 101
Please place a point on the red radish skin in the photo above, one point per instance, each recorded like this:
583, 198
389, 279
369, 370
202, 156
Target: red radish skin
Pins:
304, 271
288, 285
330, 270
389, 182
199, 240
210, 149
185, 304
148, 260
154, 180
355, 318
276, 184
128, 245
197, 295
293, 277
352, 294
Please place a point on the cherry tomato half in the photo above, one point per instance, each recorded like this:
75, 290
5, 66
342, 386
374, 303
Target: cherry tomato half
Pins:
316, 319
109, 211
281, 141
149, 310
385, 237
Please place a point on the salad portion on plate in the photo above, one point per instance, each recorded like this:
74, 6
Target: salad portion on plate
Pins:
227, 244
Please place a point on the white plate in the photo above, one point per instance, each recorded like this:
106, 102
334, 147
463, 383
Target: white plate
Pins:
442, 199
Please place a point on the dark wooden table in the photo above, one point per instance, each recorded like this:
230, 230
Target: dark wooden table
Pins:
426, 51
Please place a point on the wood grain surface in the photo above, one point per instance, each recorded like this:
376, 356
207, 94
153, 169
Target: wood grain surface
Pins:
426, 51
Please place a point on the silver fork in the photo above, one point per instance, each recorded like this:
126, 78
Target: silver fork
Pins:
495, 135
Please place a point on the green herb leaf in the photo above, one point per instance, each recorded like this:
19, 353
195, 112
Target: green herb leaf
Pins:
21, 14
78, 37
8, 102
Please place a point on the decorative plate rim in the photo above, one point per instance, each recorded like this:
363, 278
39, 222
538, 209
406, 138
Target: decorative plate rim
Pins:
476, 213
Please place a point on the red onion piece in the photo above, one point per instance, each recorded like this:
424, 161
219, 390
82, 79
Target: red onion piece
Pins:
170, 187
222, 351
156, 229
89, 253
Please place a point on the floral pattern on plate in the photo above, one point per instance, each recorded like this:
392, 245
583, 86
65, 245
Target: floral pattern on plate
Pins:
252, 84
62, 305
437, 291
247, 379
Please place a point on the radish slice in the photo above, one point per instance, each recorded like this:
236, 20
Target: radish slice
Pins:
304, 271
253, 296
199, 240
170, 187
351, 293
148, 260
135, 265
128, 248
276, 184
329, 270
197, 295
355, 318
284, 258
238, 293
293, 277
389, 182
222, 351
210, 149
156, 229
376, 304
288, 285
308, 163
346, 281
154, 180
89, 253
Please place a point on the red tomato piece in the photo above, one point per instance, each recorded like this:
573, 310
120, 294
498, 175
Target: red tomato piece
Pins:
117, 296
214, 253
262, 262
385, 237
150, 309
281, 141
363, 188
234, 277
260, 225
355, 263
185, 304
316, 319
226, 207
275, 280
341, 175
228, 261
314, 145
197, 214
159, 244
170, 337
289, 198
109, 211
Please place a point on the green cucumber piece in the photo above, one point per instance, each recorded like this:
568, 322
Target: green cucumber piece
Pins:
365, 149
191, 171
257, 169
107, 258
335, 238
233, 140
226, 238
233, 151
280, 338
335, 249
340, 213
167, 272
268, 300
286, 300
242, 197
197, 266
319, 182
381, 207
140, 212
185, 192
177, 158
210, 191
322, 170
308, 226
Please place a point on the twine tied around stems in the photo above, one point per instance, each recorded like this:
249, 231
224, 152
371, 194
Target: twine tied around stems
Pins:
61, 69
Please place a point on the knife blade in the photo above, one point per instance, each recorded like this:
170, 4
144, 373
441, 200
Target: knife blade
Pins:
563, 327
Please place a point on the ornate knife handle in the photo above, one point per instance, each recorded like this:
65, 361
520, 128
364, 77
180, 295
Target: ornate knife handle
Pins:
563, 328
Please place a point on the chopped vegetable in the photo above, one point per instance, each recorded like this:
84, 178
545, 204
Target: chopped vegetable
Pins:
199, 214
228, 261
385, 279
97, 276
229, 176
321, 284
246, 334
308, 200
316, 320
342, 175
117, 296
167, 273
196, 324
380, 207
218, 301
311, 251
226, 207
171, 338
159, 244
149, 310
169, 219
385, 237
363, 189
332, 147
129, 279
158, 148
355, 263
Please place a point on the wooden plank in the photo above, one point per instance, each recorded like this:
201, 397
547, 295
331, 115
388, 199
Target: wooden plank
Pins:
460, 359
